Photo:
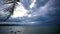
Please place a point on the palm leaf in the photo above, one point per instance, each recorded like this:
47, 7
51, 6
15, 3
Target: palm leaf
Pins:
10, 9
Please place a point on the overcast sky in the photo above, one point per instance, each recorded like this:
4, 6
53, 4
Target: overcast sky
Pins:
36, 11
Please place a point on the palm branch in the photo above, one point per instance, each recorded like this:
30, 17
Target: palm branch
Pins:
10, 9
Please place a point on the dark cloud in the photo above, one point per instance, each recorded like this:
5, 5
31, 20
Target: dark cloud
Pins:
48, 12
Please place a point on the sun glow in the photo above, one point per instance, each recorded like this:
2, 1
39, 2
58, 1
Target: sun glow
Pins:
20, 11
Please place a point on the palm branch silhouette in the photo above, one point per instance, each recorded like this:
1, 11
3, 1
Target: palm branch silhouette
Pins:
10, 9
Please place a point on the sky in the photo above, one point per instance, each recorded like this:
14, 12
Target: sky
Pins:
35, 11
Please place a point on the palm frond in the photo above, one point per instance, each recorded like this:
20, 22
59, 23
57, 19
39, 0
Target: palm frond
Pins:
10, 10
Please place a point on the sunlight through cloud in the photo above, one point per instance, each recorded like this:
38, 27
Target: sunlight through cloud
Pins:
20, 11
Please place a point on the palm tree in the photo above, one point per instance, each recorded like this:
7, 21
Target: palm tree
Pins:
10, 9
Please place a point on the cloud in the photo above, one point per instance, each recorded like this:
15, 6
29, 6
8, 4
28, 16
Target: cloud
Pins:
32, 16
32, 4
45, 14
19, 11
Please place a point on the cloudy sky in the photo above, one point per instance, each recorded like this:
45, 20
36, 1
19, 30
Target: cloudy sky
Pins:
34, 11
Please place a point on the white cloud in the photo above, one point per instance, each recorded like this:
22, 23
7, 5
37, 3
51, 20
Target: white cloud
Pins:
32, 4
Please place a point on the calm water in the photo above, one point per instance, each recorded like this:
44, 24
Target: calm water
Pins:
29, 30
